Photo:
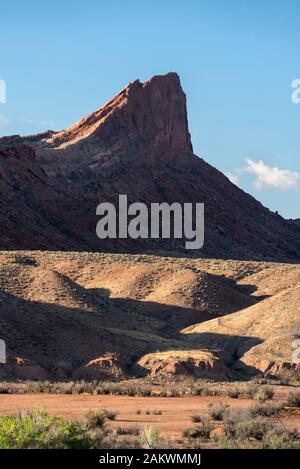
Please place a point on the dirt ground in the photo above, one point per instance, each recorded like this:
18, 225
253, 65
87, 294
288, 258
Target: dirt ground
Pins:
174, 413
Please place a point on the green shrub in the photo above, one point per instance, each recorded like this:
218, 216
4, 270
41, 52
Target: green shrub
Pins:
37, 430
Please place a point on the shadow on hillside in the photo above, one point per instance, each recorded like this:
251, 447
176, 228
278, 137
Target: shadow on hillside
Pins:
51, 333
235, 346
222, 295
164, 252
180, 253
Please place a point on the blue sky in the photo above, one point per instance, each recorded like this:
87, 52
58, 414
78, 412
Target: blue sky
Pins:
237, 59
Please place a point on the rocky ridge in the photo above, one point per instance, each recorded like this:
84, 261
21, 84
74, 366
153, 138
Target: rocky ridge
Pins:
138, 144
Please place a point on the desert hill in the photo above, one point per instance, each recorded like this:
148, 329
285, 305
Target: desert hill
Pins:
137, 144
97, 315
274, 323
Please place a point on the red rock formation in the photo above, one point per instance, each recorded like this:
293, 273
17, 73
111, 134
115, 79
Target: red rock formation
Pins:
107, 367
136, 144
200, 364
151, 114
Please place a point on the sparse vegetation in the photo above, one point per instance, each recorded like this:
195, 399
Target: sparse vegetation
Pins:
233, 393
241, 425
128, 431
237, 428
259, 392
110, 414
151, 438
95, 420
251, 390
196, 418
243, 429
264, 393
37, 430
218, 412
280, 438
202, 430
266, 410
289, 378
294, 399
134, 388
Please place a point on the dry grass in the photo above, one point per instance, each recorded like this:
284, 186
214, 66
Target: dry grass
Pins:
202, 430
294, 399
218, 412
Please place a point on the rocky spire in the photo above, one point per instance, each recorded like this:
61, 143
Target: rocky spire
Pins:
146, 117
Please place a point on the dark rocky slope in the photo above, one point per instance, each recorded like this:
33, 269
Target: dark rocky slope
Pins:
136, 144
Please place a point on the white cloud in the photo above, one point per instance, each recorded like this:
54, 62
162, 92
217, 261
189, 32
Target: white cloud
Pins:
233, 177
268, 176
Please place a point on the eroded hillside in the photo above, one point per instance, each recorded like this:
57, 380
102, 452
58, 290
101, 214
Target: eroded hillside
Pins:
68, 314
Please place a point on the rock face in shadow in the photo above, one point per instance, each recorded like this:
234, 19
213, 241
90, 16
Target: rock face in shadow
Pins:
108, 367
22, 368
137, 144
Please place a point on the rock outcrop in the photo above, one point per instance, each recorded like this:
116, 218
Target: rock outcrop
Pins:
106, 367
136, 144
22, 368
196, 363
